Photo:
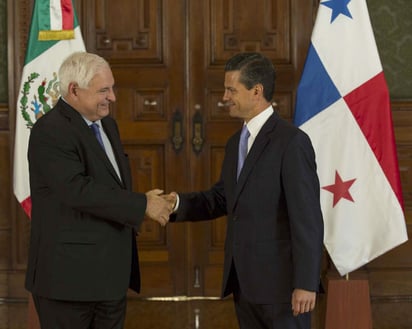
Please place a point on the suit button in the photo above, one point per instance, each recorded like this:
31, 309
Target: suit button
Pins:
234, 217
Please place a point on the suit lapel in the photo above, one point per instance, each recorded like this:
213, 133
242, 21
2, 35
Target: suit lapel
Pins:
87, 135
114, 138
258, 147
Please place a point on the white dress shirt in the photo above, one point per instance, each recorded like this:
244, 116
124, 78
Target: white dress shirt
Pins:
256, 123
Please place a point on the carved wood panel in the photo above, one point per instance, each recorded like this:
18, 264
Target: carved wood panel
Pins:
402, 120
128, 30
238, 26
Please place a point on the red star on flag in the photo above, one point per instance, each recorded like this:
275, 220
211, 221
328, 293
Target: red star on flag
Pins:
340, 189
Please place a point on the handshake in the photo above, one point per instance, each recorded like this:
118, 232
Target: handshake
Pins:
160, 206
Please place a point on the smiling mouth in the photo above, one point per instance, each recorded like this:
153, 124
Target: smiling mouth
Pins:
228, 104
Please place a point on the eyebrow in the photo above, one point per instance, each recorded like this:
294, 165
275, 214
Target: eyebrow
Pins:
104, 89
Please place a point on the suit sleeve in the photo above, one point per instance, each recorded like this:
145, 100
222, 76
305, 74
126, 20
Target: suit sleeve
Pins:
198, 206
63, 171
301, 186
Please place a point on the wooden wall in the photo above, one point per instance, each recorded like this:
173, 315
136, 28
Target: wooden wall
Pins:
390, 276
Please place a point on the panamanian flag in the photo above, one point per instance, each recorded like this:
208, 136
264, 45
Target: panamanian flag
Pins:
343, 105
54, 35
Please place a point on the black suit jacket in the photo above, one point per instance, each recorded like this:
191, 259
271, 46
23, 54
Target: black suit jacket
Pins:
274, 224
84, 218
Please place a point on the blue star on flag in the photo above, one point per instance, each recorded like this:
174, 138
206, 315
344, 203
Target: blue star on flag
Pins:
338, 7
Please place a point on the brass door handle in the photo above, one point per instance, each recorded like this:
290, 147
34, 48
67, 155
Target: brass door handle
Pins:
177, 133
198, 138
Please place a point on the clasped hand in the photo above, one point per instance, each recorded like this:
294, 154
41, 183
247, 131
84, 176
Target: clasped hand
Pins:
160, 206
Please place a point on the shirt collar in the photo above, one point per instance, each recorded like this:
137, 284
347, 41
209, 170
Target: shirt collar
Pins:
256, 123
90, 122
86, 120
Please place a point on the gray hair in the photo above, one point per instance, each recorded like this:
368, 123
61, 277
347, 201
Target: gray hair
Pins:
80, 68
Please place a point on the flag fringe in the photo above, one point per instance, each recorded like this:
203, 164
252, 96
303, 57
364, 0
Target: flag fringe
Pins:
56, 35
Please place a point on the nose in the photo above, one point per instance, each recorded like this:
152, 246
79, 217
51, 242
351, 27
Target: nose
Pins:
225, 95
111, 96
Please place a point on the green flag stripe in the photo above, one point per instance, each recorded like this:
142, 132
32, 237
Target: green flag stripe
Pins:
43, 14
34, 46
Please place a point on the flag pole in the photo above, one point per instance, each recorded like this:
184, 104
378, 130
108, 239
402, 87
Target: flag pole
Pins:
32, 317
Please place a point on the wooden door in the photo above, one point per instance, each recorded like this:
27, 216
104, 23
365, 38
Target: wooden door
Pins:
218, 29
168, 61
144, 42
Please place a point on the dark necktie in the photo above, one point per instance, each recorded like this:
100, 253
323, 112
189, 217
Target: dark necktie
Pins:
96, 129
244, 136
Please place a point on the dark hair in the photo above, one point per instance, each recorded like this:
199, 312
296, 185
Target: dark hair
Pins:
254, 69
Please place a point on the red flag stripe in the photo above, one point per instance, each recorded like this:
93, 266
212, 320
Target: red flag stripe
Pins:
370, 106
67, 15
26, 205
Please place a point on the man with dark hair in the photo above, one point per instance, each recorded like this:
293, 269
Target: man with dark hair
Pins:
269, 191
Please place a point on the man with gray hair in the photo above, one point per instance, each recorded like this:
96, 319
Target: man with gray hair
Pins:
83, 256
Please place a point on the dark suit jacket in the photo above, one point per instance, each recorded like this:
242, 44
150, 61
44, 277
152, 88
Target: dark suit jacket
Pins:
274, 226
84, 218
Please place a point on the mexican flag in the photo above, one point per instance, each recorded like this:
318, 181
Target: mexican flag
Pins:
343, 104
54, 34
